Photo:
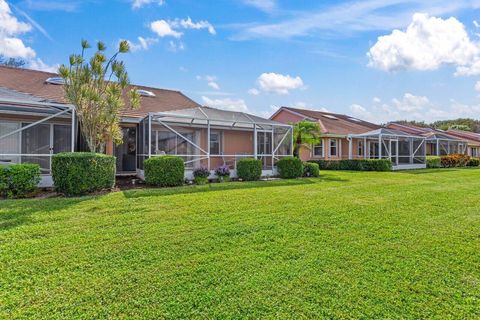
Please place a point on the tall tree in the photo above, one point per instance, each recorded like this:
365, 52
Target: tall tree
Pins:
98, 88
305, 133
12, 62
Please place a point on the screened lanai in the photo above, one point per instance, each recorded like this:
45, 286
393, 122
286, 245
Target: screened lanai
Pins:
441, 144
208, 137
406, 151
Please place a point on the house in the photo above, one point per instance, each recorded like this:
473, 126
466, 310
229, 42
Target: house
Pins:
472, 138
36, 122
438, 142
347, 137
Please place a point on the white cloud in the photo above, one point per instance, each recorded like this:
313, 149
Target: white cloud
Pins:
38, 64
163, 29
477, 86
211, 81
142, 44
253, 92
176, 46
426, 44
189, 24
376, 100
10, 28
264, 5
226, 104
278, 83
136, 4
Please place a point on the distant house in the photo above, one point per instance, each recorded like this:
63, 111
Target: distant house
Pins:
472, 138
347, 137
36, 122
439, 143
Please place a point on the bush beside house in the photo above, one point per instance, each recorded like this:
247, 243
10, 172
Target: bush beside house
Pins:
311, 169
19, 180
164, 171
290, 168
473, 162
454, 160
200, 175
434, 162
78, 173
356, 165
249, 169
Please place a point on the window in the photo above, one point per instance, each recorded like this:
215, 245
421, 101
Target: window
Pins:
333, 147
216, 142
318, 149
264, 143
360, 148
10, 144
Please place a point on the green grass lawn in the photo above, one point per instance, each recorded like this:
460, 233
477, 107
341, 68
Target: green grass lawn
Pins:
348, 245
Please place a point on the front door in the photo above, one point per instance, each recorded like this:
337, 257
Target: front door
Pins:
126, 152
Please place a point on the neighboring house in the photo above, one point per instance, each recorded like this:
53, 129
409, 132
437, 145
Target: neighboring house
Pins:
439, 143
347, 137
36, 122
472, 138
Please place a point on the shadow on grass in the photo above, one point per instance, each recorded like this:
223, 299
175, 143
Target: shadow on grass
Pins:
14, 213
428, 171
227, 186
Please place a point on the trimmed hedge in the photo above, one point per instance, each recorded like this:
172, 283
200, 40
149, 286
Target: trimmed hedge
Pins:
19, 180
434, 162
164, 171
311, 169
79, 173
473, 162
454, 160
355, 165
290, 168
249, 169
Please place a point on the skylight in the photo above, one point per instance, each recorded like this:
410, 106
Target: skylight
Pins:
329, 116
146, 93
355, 119
55, 80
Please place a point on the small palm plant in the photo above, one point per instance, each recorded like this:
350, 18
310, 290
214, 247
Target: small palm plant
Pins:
305, 133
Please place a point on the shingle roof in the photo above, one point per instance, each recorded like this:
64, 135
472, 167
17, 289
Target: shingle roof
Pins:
472, 137
33, 82
334, 123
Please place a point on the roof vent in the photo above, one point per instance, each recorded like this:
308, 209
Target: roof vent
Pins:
55, 80
146, 93
329, 116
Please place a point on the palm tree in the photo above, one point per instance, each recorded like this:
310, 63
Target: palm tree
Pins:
305, 132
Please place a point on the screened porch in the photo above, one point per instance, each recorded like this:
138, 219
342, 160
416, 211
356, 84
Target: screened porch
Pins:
439, 144
207, 137
32, 130
404, 150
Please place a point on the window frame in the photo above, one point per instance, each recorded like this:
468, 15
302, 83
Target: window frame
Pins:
330, 147
219, 133
322, 146
360, 148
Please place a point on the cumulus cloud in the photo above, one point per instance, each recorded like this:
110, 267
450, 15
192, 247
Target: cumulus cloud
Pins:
277, 83
38, 64
136, 4
163, 29
142, 44
10, 28
427, 44
226, 104
210, 80
253, 92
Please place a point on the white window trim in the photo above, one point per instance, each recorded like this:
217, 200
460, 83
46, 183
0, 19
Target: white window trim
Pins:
330, 147
322, 144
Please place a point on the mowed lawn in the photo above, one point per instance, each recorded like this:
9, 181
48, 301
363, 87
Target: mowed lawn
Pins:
348, 245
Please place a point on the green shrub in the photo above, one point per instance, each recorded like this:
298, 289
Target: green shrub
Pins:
454, 160
473, 162
164, 171
200, 175
434, 162
356, 164
19, 180
311, 169
290, 168
78, 173
249, 169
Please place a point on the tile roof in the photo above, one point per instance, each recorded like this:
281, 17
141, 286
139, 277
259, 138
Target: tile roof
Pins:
334, 123
428, 133
33, 82
472, 137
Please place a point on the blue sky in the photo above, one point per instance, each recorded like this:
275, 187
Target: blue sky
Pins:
256, 55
